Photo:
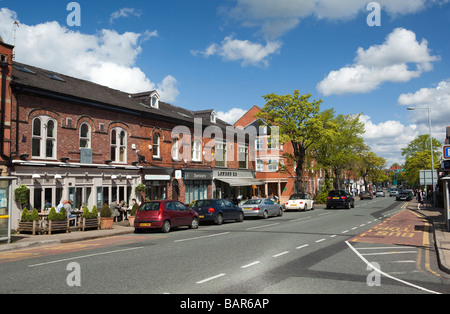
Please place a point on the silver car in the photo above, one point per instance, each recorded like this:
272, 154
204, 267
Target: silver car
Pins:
261, 207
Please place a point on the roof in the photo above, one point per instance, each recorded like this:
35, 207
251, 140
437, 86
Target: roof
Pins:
51, 84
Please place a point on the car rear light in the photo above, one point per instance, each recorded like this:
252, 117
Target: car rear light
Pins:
343, 197
211, 210
255, 208
329, 198
287, 203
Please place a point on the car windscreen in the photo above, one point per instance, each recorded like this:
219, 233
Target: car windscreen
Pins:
298, 197
150, 206
250, 202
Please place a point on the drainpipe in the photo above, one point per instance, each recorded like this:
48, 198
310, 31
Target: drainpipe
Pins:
4, 69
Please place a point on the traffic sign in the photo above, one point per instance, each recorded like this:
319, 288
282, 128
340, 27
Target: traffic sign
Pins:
446, 154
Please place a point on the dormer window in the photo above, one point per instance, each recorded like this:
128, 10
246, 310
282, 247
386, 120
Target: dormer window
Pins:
154, 100
213, 117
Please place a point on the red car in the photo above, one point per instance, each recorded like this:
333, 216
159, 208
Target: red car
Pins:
164, 215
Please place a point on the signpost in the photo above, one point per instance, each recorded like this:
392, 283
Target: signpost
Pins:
426, 177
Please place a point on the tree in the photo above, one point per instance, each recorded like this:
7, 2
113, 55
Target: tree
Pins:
418, 157
337, 149
299, 122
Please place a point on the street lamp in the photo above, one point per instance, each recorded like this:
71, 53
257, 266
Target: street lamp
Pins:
432, 155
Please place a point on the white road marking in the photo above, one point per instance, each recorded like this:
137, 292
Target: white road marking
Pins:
209, 279
204, 237
281, 254
250, 265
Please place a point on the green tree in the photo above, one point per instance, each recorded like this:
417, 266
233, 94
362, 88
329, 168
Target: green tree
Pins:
418, 157
299, 122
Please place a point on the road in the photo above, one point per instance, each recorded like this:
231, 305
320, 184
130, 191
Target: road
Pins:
320, 251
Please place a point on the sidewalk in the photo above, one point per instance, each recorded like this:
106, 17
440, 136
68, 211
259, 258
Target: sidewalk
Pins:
20, 241
441, 235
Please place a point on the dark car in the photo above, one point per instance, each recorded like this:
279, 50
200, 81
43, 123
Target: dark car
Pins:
164, 215
405, 195
340, 198
217, 211
364, 195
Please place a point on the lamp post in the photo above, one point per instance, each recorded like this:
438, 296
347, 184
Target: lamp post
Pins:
432, 153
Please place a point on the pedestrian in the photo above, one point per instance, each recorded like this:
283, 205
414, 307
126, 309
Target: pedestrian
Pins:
115, 210
419, 199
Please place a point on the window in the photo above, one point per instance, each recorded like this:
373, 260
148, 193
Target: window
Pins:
156, 143
243, 157
272, 165
85, 136
44, 138
175, 149
213, 117
260, 165
259, 143
118, 145
221, 155
196, 150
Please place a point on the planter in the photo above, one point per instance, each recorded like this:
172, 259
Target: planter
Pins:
89, 223
28, 226
131, 220
58, 225
106, 223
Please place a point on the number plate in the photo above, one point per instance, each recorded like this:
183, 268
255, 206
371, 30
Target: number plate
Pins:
335, 198
145, 225
201, 216
248, 208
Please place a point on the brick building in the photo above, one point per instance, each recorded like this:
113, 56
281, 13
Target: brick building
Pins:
268, 158
72, 139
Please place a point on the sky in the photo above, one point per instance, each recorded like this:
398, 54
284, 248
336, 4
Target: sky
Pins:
359, 57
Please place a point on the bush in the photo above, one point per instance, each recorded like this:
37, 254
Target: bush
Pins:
28, 217
22, 195
90, 214
53, 215
134, 209
106, 211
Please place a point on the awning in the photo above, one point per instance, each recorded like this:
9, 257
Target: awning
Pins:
241, 181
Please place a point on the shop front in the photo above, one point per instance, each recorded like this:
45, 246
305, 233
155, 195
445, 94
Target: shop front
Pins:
49, 184
157, 183
198, 184
235, 183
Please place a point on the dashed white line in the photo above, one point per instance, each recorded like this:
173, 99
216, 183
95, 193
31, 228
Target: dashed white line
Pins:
270, 225
204, 237
209, 279
281, 254
250, 265
321, 240
303, 246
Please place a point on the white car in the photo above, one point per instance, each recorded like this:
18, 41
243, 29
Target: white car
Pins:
299, 201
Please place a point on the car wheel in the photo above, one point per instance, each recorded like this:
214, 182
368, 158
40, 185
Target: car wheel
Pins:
280, 213
165, 227
305, 208
265, 214
194, 223
219, 220
240, 217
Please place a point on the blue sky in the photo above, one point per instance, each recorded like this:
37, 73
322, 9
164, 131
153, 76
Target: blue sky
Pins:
226, 55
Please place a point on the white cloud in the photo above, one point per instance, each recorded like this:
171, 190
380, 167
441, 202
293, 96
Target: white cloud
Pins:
249, 53
125, 12
231, 116
274, 18
389, 62
438, 100
387, 139
107, 57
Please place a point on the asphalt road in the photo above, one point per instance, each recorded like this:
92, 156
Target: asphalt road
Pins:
300, 252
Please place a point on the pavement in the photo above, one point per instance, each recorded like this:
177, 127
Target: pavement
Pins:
434, 215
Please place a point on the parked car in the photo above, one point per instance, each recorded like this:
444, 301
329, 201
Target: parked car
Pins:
217, 210
164, 215
299, 201
393, 192
340, 198
261, 207
380, 194
405, 195
365, 195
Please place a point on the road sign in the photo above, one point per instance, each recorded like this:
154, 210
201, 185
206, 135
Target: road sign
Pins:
446, 154
428, 177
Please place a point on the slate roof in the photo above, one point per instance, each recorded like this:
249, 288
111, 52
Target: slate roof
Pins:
35, 80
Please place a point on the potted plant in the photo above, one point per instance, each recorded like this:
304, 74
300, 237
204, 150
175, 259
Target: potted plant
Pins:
22, 195
106, 219
89, 219
29, 222
133, 214
140, 191
57, 221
